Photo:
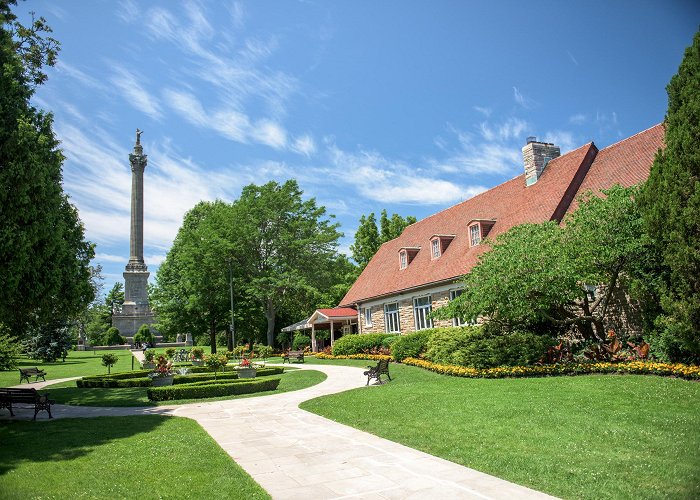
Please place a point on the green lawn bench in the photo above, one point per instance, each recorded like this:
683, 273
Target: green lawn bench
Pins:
10, 396
25, 373
376, 372
293, 355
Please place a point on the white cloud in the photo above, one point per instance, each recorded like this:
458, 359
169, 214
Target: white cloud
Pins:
483, 110
105, 257
561, 138
522, 99
134, 93
304, 145
578, 119
79, 76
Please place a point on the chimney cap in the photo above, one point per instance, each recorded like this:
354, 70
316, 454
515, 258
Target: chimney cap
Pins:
531, 138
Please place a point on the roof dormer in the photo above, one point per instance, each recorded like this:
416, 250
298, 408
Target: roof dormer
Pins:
406, 256
439, 243
478, 230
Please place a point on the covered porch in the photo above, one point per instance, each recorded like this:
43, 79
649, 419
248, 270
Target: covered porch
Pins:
338, 321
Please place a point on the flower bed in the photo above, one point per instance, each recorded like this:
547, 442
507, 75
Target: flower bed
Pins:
631, 367
211, 390
374, 357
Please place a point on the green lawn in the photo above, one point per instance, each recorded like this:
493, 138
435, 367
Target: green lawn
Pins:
77, 364
592, 436
118, 457
68, 393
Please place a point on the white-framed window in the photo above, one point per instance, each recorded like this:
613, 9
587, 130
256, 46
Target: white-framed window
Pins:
391, 318
435, 248
368, 316
474, 235
458, 321
403, 259
421, 309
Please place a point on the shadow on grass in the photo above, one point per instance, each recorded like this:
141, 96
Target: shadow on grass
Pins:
66, 439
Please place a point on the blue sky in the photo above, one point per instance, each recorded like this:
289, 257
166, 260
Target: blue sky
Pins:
404, 105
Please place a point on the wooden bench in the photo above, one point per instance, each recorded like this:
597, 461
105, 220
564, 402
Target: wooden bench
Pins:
25, 373
376, 372
11, 396
293, 355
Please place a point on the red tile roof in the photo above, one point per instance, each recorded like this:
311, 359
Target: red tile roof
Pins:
338, 312
511, 203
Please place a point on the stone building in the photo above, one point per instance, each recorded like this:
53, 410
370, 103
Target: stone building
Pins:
420, 270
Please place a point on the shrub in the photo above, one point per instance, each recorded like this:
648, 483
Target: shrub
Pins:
109, 360
197, 391
199, 377
300, 342
9, 352
197, 353
387, 342
411, 345
49, 341
112, 337
479, 347
138, 339
215, 361
262, 351
170, 352
357, 344
146, 335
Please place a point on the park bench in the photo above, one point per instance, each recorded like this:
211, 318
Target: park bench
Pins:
376, 372
11, 396
25, 373
293, 355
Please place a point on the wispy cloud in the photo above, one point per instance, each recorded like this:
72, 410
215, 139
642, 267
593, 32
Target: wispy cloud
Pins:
304, 145
134, 93
522, 99
561, 138
484, 111
578, 119
79, 76
571, 56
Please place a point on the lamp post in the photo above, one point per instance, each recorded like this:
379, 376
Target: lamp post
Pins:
231, 341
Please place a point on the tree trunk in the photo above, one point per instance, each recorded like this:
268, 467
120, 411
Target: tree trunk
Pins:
212, 334
270, 316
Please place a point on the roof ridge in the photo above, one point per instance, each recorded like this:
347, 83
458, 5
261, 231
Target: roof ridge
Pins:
631, 137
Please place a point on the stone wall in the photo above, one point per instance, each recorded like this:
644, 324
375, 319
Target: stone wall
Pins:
406, 318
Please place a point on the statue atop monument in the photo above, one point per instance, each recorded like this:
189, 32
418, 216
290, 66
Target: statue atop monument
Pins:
138, 136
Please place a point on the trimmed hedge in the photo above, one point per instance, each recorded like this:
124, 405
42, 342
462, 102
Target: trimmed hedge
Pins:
212, 390
478, 347
372, 357
92, 382
411, 345
358, 344
229, 375
687, 372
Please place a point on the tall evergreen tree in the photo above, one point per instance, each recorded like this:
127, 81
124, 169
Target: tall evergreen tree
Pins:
45, 271
671, 209
369, 237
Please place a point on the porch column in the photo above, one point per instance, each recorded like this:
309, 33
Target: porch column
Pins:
313, 338
332, 334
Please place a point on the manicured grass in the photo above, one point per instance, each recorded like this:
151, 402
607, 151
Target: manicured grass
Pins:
595, 436
77, 364
118, 457
68, 393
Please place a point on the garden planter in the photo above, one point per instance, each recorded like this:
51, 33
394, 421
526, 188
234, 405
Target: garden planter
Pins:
246, 372
198, 362
161, 381
149, 366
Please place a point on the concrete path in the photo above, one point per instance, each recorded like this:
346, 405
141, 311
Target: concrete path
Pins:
295, 454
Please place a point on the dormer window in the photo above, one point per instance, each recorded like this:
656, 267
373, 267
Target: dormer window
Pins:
406, 255
439, 243
435, 248
474, 234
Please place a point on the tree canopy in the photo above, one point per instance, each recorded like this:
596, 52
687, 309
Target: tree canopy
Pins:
282, 253
671, 208
369, 237
46, 272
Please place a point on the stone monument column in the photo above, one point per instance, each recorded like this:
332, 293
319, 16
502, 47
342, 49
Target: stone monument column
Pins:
136, 310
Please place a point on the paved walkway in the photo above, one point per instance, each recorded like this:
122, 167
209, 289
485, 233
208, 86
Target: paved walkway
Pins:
295, 454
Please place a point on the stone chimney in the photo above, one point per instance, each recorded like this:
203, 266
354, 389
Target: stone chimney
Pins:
536, 155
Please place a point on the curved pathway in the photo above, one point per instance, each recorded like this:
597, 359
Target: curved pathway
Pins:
296, 454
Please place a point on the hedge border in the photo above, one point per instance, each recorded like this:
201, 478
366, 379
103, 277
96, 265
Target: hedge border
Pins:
197, 391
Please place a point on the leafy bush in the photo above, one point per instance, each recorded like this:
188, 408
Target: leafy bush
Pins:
146, 335
300, 341
170, 352
361, 343
9, 352
112, 337
109, 360
262, 351
197, 353
411, 345
480, 347
199, 377
138, 339
387, 342
197, 391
